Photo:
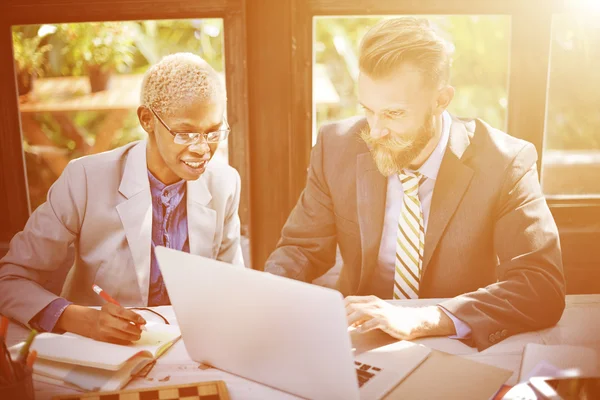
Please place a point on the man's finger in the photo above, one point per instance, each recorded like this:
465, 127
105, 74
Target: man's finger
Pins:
357, 318
357, 299
369, 325
350, 308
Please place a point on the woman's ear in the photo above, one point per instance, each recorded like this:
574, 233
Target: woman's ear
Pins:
146, 119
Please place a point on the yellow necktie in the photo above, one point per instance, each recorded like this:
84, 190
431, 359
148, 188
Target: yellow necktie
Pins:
411, 239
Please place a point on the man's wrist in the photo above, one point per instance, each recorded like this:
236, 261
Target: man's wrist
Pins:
437, 323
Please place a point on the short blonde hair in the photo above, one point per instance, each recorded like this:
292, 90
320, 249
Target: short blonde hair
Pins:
408, 40
177, 80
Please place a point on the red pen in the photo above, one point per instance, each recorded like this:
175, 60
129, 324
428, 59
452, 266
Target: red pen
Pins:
104, 295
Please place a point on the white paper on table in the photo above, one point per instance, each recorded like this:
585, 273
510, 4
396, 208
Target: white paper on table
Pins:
561, 358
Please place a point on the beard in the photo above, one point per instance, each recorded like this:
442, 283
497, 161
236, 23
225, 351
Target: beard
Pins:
393, 152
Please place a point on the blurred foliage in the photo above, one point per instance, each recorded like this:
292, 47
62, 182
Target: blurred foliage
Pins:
29, 52
204, 37
107, 45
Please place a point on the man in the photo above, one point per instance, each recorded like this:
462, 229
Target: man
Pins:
425, 206
106, 212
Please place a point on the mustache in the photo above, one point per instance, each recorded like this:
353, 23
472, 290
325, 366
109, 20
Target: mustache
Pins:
389, 142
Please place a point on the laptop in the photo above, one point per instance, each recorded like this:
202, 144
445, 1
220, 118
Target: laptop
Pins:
283, 333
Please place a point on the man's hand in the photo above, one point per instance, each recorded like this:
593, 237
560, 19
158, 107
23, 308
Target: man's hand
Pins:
112, 323
405, 323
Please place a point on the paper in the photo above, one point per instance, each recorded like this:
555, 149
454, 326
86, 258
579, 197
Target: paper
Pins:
87, 378
562, 357
455, 377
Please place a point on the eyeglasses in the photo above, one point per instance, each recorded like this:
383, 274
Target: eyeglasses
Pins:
193, 137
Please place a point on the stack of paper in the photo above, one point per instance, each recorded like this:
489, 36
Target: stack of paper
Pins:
92, 365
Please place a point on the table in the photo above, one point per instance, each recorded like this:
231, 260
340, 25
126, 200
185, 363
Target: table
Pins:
579, 325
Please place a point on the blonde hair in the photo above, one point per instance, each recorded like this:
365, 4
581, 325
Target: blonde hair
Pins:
177, 80
408, 40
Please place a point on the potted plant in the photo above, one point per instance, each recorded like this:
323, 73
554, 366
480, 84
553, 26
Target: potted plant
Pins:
98, 50
29, 54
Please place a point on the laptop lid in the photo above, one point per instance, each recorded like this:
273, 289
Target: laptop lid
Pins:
277, 331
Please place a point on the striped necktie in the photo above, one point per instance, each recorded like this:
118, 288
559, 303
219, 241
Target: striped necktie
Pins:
411, 239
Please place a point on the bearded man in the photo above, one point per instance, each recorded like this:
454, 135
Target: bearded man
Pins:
422, 204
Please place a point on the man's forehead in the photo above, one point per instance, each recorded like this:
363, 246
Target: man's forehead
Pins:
402, 89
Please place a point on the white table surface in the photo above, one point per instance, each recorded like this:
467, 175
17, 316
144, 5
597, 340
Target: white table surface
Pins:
579, 325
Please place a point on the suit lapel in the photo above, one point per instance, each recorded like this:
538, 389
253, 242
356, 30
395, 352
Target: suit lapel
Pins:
136, 214
371, 190
452, 182
202, 220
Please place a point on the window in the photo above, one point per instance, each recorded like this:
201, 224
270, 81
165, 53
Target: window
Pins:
571, 159
479, 72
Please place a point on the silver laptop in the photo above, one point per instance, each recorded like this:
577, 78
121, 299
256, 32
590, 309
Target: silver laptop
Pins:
279, 332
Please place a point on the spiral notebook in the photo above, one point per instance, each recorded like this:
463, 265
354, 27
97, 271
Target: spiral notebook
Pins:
92, 365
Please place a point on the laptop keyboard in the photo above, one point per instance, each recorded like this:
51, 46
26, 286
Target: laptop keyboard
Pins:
365, 372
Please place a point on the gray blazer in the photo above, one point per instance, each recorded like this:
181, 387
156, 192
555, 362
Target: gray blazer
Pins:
97, 225
491, 246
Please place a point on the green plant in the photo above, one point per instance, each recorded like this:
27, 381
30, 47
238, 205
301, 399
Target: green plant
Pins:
105, 45
29, 54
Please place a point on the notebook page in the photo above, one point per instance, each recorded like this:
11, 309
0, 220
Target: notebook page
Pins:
75, 349
157, 338
80, 350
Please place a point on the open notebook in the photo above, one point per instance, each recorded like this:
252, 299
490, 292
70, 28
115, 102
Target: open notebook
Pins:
93, 365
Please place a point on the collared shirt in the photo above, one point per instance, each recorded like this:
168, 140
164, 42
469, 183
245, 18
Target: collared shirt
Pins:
382, 284
169, 229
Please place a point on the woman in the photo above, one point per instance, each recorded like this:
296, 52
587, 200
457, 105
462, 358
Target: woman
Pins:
106, 212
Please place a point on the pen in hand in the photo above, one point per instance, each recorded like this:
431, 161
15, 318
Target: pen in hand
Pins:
100, 292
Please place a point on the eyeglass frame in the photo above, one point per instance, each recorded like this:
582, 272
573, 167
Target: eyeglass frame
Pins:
196, 140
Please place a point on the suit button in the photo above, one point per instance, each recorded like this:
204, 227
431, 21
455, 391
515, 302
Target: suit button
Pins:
492, 338
498, 335
504, 333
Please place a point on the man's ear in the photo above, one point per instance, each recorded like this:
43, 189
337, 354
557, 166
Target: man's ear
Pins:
445, 96
146, 119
